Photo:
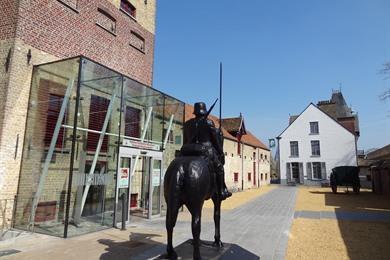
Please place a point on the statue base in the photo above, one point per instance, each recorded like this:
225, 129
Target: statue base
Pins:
208, 251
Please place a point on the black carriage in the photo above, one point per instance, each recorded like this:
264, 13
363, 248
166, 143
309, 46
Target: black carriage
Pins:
345, 176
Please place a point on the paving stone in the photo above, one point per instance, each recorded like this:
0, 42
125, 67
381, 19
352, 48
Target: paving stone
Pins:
261, 226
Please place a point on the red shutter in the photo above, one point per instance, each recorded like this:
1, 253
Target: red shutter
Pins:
236, 177
53, 112
97, 114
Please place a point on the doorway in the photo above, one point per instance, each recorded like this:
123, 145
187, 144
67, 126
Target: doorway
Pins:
139, 181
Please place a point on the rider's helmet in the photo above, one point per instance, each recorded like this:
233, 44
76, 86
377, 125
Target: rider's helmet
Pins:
200, 109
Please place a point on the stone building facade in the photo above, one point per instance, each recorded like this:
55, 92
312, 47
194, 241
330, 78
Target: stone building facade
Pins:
118, 34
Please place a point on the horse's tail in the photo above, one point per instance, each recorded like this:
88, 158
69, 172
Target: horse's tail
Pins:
173, 186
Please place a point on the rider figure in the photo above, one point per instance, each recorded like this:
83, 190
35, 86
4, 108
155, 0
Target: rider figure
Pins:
201, 130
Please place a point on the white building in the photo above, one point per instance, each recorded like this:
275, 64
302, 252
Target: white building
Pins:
315, 142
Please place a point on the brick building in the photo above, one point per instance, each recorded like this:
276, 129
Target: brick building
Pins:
74, 70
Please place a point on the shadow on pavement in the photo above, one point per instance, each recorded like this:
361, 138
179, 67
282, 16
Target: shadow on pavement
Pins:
207, 251
137, 243
364, 222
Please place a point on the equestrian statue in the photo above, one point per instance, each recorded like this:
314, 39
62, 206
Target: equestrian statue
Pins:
196, 175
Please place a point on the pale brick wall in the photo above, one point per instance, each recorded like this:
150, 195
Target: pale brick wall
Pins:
236, 163
146, 12
15, 110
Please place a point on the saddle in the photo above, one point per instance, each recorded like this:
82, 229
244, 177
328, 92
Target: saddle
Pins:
195, 150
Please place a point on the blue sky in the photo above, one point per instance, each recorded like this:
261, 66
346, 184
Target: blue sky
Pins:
278, 56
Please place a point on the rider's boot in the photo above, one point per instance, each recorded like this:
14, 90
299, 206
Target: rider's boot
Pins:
222, 187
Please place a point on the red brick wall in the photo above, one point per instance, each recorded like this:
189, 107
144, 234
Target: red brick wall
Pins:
8, 14
50, 26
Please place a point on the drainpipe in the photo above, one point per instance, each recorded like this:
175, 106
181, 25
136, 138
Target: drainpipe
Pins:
242, 166
280, 174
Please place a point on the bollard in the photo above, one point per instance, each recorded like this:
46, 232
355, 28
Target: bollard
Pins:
123, 212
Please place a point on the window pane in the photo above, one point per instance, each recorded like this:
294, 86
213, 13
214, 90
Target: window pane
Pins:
294, 148
315, 148
314, 128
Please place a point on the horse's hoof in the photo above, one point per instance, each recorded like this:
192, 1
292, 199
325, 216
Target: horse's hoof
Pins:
218, 244
171, 255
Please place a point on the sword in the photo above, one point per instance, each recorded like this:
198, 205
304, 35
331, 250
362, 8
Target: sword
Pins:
211, 108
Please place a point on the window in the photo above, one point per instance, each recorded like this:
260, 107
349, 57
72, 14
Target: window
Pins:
106, 21
53, 112
72, 4
178, 139
315, 148
314, 128
266, 176
261, 156
97, 114
132, 122
128, 8
265, 157
170, 136
261, 176
239, 148
316, 170
137, 41
249, 176
294, 152
235, 177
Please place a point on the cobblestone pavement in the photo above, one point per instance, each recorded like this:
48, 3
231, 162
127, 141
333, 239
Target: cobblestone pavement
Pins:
260, 226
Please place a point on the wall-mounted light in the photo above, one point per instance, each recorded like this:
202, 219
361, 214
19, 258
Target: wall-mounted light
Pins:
8, 61
29, 56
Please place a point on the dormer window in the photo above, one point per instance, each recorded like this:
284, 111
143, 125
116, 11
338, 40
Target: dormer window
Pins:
128, 8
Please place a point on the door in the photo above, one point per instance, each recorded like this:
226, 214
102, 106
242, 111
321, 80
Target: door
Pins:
123, 188
143, 192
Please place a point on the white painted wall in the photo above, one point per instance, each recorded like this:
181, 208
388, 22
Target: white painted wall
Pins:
337, 144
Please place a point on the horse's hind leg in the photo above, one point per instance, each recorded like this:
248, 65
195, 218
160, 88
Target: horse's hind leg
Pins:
196, 226
217, 221
172, 212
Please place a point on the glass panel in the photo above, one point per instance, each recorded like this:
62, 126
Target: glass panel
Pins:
43, 184
123, 193
95, 165
140, 185
173, 112
156, 187
143, 115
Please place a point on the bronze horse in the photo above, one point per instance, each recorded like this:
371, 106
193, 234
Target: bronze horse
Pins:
189, 181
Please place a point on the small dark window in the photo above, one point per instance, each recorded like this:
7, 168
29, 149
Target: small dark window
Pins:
249, 176
236, 177
128, 8
314, 128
